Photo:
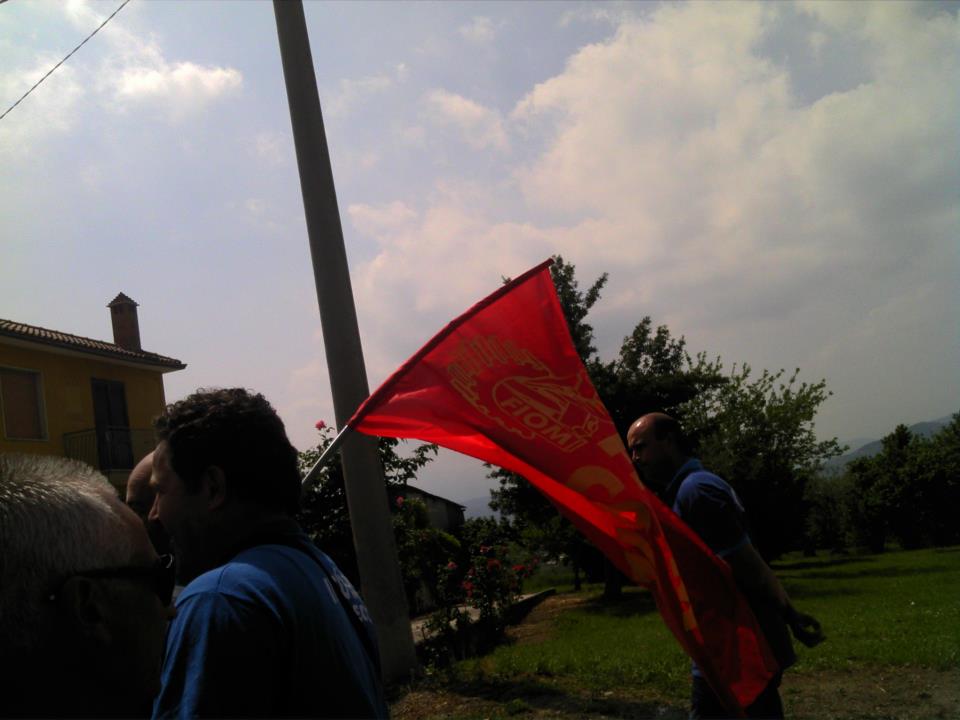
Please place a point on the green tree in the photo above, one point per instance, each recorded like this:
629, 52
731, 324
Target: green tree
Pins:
869, 505
830, 512
908, 491
879, 484
423, 550
324, 515
938, 464
758, 434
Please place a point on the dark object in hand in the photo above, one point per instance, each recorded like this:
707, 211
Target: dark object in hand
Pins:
805, 628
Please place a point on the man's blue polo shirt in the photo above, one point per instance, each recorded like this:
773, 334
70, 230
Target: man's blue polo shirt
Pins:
712, 509
266, 635
709, 506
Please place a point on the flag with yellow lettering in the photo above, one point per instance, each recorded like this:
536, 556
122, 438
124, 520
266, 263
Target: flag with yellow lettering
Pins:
504, 383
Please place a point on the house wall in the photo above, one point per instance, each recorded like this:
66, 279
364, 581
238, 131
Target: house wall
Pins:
441, 513
68, 397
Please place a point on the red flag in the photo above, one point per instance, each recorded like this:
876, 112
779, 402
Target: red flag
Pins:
504, 383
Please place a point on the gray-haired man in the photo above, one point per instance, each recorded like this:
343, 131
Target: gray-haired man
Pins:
84, 597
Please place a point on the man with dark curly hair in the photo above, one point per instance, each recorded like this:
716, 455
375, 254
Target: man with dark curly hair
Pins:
267, 625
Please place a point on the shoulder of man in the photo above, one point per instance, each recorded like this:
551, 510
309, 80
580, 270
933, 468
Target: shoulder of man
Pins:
225, 580
701, 484
712, 509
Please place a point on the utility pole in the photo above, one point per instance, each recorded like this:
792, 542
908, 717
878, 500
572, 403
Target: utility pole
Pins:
380, 578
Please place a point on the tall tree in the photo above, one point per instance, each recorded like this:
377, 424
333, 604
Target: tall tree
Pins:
938, 465
758, 434
909, 491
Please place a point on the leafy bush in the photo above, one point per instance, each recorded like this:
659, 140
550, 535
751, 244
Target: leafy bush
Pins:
486, 577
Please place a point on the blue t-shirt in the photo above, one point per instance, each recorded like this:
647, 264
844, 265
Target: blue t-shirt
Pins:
712, 509
710, 506
266, 635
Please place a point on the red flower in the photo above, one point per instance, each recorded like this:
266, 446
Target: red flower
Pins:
451, 565
484, 549
518, 568
400, 501
492, 563
320, 425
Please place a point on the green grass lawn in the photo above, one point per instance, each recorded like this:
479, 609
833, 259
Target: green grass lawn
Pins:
899, 609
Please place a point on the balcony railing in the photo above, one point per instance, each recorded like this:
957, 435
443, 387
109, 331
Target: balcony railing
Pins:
111, 448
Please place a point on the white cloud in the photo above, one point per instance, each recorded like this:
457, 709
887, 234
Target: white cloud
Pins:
51, 109
354, 92
414, 135
180, 89
607, 14
273, 147
479, 126
374, 221
256, 206
479, 30
677, 157
135, 73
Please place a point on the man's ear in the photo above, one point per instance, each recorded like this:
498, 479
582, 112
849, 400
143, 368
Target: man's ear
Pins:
86, 608
214, 482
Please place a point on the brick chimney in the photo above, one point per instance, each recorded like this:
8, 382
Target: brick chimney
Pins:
126, 327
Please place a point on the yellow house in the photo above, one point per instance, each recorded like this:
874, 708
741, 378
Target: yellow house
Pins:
66, 395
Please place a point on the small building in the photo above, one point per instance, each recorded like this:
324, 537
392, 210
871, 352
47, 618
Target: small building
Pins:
71, 396
442, 513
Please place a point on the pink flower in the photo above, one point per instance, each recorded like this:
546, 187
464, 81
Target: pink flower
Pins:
451, 565
320, 425
400, 501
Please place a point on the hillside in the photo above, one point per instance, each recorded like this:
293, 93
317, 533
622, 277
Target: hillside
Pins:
872, 447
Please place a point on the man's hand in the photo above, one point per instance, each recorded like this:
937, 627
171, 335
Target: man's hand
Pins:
805, 628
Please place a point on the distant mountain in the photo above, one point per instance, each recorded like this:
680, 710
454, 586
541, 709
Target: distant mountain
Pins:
478, 507
873, 447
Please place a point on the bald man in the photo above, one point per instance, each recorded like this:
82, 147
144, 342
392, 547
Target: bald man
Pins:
712, 509
140, 498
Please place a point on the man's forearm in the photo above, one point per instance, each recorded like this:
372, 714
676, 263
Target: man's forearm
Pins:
755, 577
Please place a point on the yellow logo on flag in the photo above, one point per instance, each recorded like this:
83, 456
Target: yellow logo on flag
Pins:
511, 386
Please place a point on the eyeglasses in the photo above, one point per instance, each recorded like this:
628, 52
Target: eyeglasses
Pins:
161, 576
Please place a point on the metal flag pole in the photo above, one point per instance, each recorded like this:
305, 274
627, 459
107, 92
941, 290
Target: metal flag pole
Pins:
314, 473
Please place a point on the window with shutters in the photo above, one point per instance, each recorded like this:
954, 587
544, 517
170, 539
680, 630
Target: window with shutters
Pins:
21, 398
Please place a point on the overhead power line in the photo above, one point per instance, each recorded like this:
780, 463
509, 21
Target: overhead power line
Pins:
36, 84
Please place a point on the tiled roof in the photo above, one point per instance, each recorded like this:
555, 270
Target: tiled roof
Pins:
421, 491
121, 299
43, 336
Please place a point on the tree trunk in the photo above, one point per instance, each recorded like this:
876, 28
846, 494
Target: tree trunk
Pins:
613, 581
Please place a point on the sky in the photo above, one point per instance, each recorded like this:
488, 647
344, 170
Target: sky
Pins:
776, 182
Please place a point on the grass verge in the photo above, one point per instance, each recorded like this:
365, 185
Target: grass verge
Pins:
892, 621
